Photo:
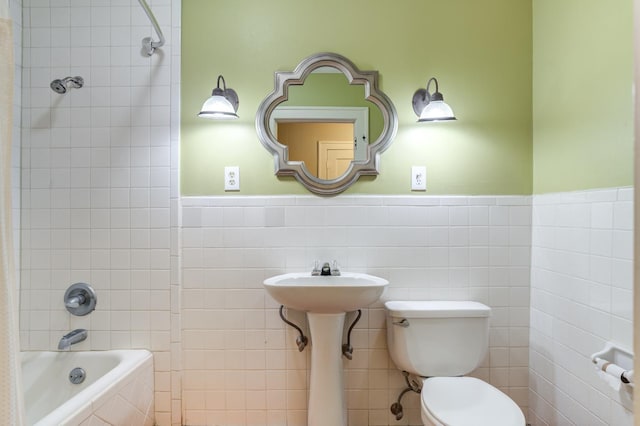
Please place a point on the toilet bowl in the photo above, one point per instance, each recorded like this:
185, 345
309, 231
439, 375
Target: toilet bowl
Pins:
441, 341
466, 401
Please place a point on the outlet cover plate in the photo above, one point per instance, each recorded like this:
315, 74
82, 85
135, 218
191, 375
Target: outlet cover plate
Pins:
418, 178
232, 178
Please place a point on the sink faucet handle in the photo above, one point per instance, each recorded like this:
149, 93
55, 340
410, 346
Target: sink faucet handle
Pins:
334, 268
316, 268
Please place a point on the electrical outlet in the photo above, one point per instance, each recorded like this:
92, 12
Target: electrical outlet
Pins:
232, 178
418, 178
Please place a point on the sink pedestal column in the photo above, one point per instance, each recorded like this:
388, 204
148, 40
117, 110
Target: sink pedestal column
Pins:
327, 405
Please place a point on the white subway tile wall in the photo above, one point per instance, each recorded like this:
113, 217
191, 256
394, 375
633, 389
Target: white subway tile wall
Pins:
99, 180
581, 298
241, 364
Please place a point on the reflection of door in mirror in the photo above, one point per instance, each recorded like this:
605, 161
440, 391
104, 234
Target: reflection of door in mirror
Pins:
303, 142
334, 158
327, 95
357, 116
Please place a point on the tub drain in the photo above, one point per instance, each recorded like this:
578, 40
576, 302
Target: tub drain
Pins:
77, 376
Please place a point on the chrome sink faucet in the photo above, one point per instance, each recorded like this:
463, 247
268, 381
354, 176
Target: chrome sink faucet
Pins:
326, 269
71, 338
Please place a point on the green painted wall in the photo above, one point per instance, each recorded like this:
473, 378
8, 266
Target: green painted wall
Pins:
480, 51
582, 101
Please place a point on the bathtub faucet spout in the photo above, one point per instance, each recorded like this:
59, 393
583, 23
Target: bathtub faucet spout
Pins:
71, 338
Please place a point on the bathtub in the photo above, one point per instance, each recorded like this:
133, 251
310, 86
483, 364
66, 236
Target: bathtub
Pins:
117, 389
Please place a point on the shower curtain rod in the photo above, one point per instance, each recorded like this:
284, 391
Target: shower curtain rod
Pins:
148, 45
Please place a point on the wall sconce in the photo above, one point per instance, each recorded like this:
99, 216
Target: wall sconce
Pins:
222, 105
431, 106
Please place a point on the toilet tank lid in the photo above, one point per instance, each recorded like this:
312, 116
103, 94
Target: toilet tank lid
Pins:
436, 309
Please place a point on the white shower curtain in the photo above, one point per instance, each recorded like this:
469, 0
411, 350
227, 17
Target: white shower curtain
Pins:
11, 399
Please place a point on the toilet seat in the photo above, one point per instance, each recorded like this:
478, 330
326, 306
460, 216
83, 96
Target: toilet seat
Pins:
467, 401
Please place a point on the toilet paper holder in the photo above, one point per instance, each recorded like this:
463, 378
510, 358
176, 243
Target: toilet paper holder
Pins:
615, 361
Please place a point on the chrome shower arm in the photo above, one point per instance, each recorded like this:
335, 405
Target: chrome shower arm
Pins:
148, 45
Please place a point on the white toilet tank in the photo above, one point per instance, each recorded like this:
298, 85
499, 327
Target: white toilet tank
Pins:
437, 338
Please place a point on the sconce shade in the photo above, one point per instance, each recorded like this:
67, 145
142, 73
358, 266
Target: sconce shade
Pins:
437, 111
431, 106
222, 105
217, 107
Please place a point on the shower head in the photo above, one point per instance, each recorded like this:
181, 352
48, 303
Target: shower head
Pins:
58, 86
61, 86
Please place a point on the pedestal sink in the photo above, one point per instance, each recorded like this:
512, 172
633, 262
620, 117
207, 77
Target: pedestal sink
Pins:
326, 300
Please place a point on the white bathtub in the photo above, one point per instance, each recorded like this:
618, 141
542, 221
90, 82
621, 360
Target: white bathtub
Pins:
118, 388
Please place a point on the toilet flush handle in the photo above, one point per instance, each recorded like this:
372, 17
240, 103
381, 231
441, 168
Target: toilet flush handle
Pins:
402, 323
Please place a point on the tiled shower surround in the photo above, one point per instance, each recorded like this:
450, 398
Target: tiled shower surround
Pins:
241, 364
99, 180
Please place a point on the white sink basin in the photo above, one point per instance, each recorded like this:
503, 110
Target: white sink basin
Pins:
325, 294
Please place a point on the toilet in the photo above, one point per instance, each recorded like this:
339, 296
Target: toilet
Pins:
441, 341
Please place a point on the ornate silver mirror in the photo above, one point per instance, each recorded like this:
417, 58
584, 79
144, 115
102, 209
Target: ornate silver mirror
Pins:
326, 123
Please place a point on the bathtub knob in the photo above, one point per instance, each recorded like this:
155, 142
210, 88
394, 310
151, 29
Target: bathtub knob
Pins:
80, 299
75, 302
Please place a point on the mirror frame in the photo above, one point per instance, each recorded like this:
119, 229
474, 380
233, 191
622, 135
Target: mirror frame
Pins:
368, 166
